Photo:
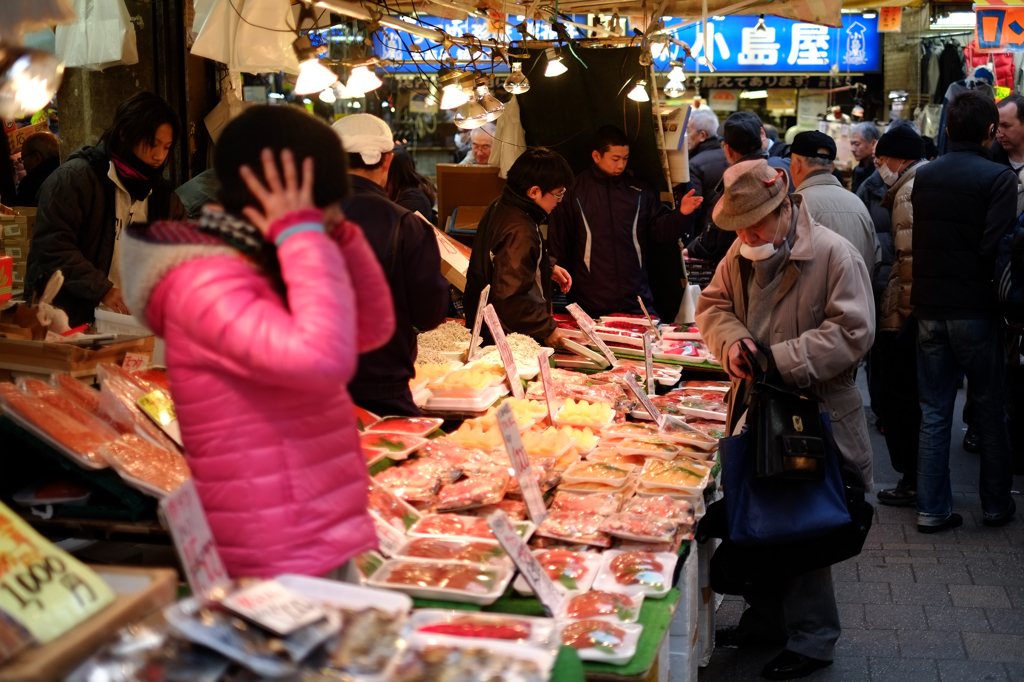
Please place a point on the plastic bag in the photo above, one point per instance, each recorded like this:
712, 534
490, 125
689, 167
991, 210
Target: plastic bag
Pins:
263, 40
103, 36
215, 25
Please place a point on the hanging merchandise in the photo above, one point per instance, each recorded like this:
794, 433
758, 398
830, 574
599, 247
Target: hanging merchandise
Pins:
103, 36
264, 38
951, 69
215, 25
1002, 63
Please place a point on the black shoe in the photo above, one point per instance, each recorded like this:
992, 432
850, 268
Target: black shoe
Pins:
736, 637
952, 521
1001, 519
972, 440
790, 665
900, 496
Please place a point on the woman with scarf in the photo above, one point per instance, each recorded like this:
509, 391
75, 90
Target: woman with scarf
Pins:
511, 254
265, 307
86, 203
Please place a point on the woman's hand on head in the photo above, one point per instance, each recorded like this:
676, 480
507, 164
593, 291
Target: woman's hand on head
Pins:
277, 199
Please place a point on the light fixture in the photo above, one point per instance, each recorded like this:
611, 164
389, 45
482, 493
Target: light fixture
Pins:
639, 92
489, 102
676, 85
869, 15
857, 111
555, 66
362, 80
517, 83
754, 94
760, 27
963, 20
470, 115
275, 95
453, 95
313, 76
28, 80
328, 96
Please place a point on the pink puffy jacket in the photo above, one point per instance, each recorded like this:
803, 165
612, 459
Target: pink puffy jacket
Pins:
260, 388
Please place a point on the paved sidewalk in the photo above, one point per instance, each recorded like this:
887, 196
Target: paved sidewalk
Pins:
915, 607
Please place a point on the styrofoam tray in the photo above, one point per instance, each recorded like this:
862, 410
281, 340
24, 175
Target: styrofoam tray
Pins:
386, 425
346, 595
592, 561
501, 559
682, 336
478, 404
635, 595
51, 441
689, 490
543, 631
570, 479
414, 444
577, 362
580, 349
703, 414
606, 579
627, 430
620, 656
618, 338
593, 426
523, 528
542, 657
628, 447
503, 576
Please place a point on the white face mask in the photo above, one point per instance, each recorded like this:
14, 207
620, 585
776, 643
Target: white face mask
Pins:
762, 251
889, 177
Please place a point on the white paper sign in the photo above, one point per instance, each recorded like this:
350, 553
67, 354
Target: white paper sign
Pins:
587, 325
507, 359
650, 319
648, 406
389, 538
521, 463
477, 322
549, 386
273, 606
194, 541
649, 361
524, 560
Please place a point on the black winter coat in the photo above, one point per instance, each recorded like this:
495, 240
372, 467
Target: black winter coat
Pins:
601, 233
963, 205
509, 253
871, 192
861, 172
419, 292
76, 228
28, 188
707, 166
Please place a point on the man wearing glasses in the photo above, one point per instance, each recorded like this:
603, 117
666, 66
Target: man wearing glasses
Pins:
481, 140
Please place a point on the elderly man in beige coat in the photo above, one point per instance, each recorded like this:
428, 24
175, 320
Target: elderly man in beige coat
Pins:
803, 293
828, 202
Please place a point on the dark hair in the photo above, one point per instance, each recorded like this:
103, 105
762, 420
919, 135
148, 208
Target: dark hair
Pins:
136, 120
970, 117
355, 162
403, 175
609, 136
45, 144
771, 132
1013, 99
539, 167
278, 128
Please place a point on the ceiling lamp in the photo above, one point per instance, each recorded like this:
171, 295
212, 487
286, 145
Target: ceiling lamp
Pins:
471, 114
639, 92
328, 96
555, 66
453, 95
760, 26
28, 80
489, 102
517, 83
313, 76
362, 80
676, 85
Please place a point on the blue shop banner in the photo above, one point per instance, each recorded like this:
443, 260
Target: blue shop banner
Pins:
734, 45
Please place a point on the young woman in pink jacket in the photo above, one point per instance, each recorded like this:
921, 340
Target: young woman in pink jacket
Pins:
265, 307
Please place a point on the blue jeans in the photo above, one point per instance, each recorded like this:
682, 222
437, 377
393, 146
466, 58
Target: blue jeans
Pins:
975, 346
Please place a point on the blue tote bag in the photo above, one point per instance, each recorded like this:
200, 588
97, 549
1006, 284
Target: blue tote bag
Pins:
769, 511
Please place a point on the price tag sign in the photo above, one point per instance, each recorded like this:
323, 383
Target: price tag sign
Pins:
44, 589
521, 463
648, 406
273, 606
133, 362
389, 538
649, 361
504, 351
889, 19
194, 541
160, 408
549, 386
650, 319
524, 560
477, 322
587, 325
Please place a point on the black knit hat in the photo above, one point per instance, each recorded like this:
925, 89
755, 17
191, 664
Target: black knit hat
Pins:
742, 132
808, 143
900, 143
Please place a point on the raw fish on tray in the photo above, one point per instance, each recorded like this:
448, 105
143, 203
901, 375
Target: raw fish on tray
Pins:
638, 568
482, 626
452, 576
597, 634
564, 567
477, 551
599, 603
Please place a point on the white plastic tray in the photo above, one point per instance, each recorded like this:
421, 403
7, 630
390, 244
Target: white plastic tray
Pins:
570, 477
593, 426
703, 414
478, 404
597, 358
544, 658
386, 424
503, 576
543, 632
636, 595
524, 528
606, 579
593, 563
620, 656
626, 447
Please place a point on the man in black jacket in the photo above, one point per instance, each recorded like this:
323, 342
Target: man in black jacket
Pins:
407, 250
707, 162
863, 138
40, 156
606, 226
963, 205
509, 252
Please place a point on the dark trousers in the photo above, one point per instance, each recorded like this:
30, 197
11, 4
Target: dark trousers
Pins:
402, 406
895, 370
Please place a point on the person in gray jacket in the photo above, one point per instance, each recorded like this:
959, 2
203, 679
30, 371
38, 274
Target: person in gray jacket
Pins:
828, 202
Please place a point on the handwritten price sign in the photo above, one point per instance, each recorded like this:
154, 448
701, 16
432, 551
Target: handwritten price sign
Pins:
521, 463
507, 359
645, 401
587, 324
524, 560
194, 541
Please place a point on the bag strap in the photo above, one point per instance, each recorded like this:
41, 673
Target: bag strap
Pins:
396, 234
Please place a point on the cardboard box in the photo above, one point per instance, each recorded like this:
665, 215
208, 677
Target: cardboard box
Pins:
17, 226
50, 358
454, 259
459, 185
465, 218
16, 249
19, 274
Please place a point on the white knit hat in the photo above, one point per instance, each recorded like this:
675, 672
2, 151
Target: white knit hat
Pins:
366, 135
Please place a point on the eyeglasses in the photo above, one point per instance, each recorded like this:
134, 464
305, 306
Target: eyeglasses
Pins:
559, 195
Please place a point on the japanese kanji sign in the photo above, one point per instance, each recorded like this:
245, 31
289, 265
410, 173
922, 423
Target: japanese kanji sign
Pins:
889, 19
1000, 29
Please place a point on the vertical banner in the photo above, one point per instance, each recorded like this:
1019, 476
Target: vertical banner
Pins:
889, 19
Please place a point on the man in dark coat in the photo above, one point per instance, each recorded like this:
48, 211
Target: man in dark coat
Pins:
863, 138
407, 250
964, 203
707, 161
606, 226
40, 156
509, 252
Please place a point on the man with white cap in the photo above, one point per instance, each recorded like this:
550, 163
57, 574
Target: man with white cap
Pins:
799, 297
407, 250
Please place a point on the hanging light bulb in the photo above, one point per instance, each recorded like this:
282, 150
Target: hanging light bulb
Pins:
674, 89
28, 80
362, 80
453, 95
489, 102
677, 73
760, 27
328, 96
313, 76
517, 83
639, 92
555, 66
470, 115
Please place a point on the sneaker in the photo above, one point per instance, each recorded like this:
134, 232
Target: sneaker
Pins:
1001, 519
952, 521
972, 440
900, 496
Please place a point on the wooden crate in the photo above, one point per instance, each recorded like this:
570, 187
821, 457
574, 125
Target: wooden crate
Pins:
140, 592
51, 358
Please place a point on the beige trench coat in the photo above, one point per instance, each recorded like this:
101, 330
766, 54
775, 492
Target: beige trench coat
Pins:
822, 324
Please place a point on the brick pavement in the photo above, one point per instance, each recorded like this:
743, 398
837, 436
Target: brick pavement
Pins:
947, 607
